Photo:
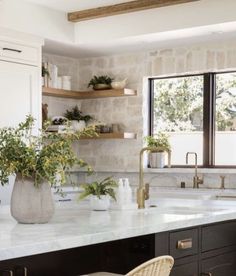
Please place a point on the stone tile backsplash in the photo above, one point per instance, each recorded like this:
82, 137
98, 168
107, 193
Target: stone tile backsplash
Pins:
115, 156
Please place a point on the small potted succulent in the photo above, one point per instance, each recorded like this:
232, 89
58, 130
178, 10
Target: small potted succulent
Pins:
78, 120
100, 83
100, 193
39, 163
161, 143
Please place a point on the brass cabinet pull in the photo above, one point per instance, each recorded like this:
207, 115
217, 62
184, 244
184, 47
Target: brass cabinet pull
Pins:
12, 50
25, 271
10, 272
185, 244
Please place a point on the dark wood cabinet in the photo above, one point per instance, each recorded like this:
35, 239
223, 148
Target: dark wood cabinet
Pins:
208, 250
189, 269
224, 264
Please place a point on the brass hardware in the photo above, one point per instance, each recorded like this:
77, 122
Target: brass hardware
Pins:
196, 179
25, 271
222, 186
143, 190
185, 244
10, 272
226, 196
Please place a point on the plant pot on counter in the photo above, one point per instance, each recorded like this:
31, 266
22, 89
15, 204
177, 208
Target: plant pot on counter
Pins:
78, 125
157, 159
99, 204
31, 204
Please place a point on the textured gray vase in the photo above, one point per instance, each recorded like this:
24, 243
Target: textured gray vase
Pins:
30, 204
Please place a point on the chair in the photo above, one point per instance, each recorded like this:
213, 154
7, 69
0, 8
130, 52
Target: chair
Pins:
160, 266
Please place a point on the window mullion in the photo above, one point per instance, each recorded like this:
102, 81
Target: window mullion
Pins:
208, 120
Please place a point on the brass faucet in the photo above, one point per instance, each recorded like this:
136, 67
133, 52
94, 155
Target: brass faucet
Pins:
143, 190
196, 179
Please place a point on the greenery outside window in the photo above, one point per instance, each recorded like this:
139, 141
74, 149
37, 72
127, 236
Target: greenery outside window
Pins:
199, 114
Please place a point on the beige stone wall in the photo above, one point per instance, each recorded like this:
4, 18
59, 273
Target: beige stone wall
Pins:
131, 112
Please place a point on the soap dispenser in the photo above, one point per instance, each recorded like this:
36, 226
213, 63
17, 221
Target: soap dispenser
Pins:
120, 194
128, 192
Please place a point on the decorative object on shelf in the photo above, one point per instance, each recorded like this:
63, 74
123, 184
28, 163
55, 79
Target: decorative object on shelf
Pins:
66, 82
44, 112
78, 120
119, 84
162, 145
105, 129
45, 75
100, 83
115, 128
37, 161
59, 82
59, 124
100, 193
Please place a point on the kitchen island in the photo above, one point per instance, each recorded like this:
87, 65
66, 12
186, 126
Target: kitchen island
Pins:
84, 241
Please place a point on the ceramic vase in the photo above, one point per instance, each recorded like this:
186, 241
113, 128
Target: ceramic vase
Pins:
30, 204
99, 204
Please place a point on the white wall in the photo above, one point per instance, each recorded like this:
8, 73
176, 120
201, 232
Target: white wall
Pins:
29, 18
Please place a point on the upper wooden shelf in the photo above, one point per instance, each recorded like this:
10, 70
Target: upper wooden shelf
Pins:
53, 92
114, 135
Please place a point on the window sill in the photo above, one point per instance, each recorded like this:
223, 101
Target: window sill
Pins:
191, 170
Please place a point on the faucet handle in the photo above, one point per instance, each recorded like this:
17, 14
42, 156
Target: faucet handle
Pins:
147, 186
222, 181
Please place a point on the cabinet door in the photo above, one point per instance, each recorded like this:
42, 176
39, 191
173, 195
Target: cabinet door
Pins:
19, 93
224, 264
190, 269
19, 96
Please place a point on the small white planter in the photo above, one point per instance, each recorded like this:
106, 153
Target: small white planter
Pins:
30, 204
99, 204
78, 125
157, 159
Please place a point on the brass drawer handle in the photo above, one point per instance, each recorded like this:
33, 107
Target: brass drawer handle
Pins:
185, 244
10, 272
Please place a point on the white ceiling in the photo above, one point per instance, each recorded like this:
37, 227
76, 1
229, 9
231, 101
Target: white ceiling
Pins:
75, 5
214, 34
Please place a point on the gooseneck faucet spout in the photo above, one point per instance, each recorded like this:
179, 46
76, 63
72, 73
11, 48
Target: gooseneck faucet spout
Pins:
143, 189
196, 179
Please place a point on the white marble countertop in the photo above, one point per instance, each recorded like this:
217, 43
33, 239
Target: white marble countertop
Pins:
74, 225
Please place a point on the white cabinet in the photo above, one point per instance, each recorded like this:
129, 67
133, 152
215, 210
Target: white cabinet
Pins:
19, 93
20, 85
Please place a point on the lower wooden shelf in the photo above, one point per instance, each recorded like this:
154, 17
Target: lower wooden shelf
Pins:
114, 135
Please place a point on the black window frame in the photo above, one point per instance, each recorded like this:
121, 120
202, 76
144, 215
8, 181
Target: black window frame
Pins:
209, 105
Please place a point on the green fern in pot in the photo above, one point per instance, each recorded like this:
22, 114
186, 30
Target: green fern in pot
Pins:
100, 193
100, 83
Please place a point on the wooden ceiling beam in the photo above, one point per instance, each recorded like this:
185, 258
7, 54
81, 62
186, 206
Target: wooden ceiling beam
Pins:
122, 8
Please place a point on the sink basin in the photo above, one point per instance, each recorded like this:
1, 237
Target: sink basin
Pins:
183, 194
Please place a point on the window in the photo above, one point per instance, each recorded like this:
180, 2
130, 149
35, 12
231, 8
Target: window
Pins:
199, 114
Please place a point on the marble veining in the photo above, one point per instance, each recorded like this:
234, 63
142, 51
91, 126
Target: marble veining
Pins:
75, 225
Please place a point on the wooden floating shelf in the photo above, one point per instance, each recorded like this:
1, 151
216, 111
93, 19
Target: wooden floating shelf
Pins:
53, 92
114, 135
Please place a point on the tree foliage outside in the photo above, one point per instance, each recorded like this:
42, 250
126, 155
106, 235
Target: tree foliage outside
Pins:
178, 103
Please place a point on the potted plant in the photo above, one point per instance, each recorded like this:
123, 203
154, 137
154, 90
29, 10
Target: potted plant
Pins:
100, 193
78, 120
39, 163
161, 145
100, 83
